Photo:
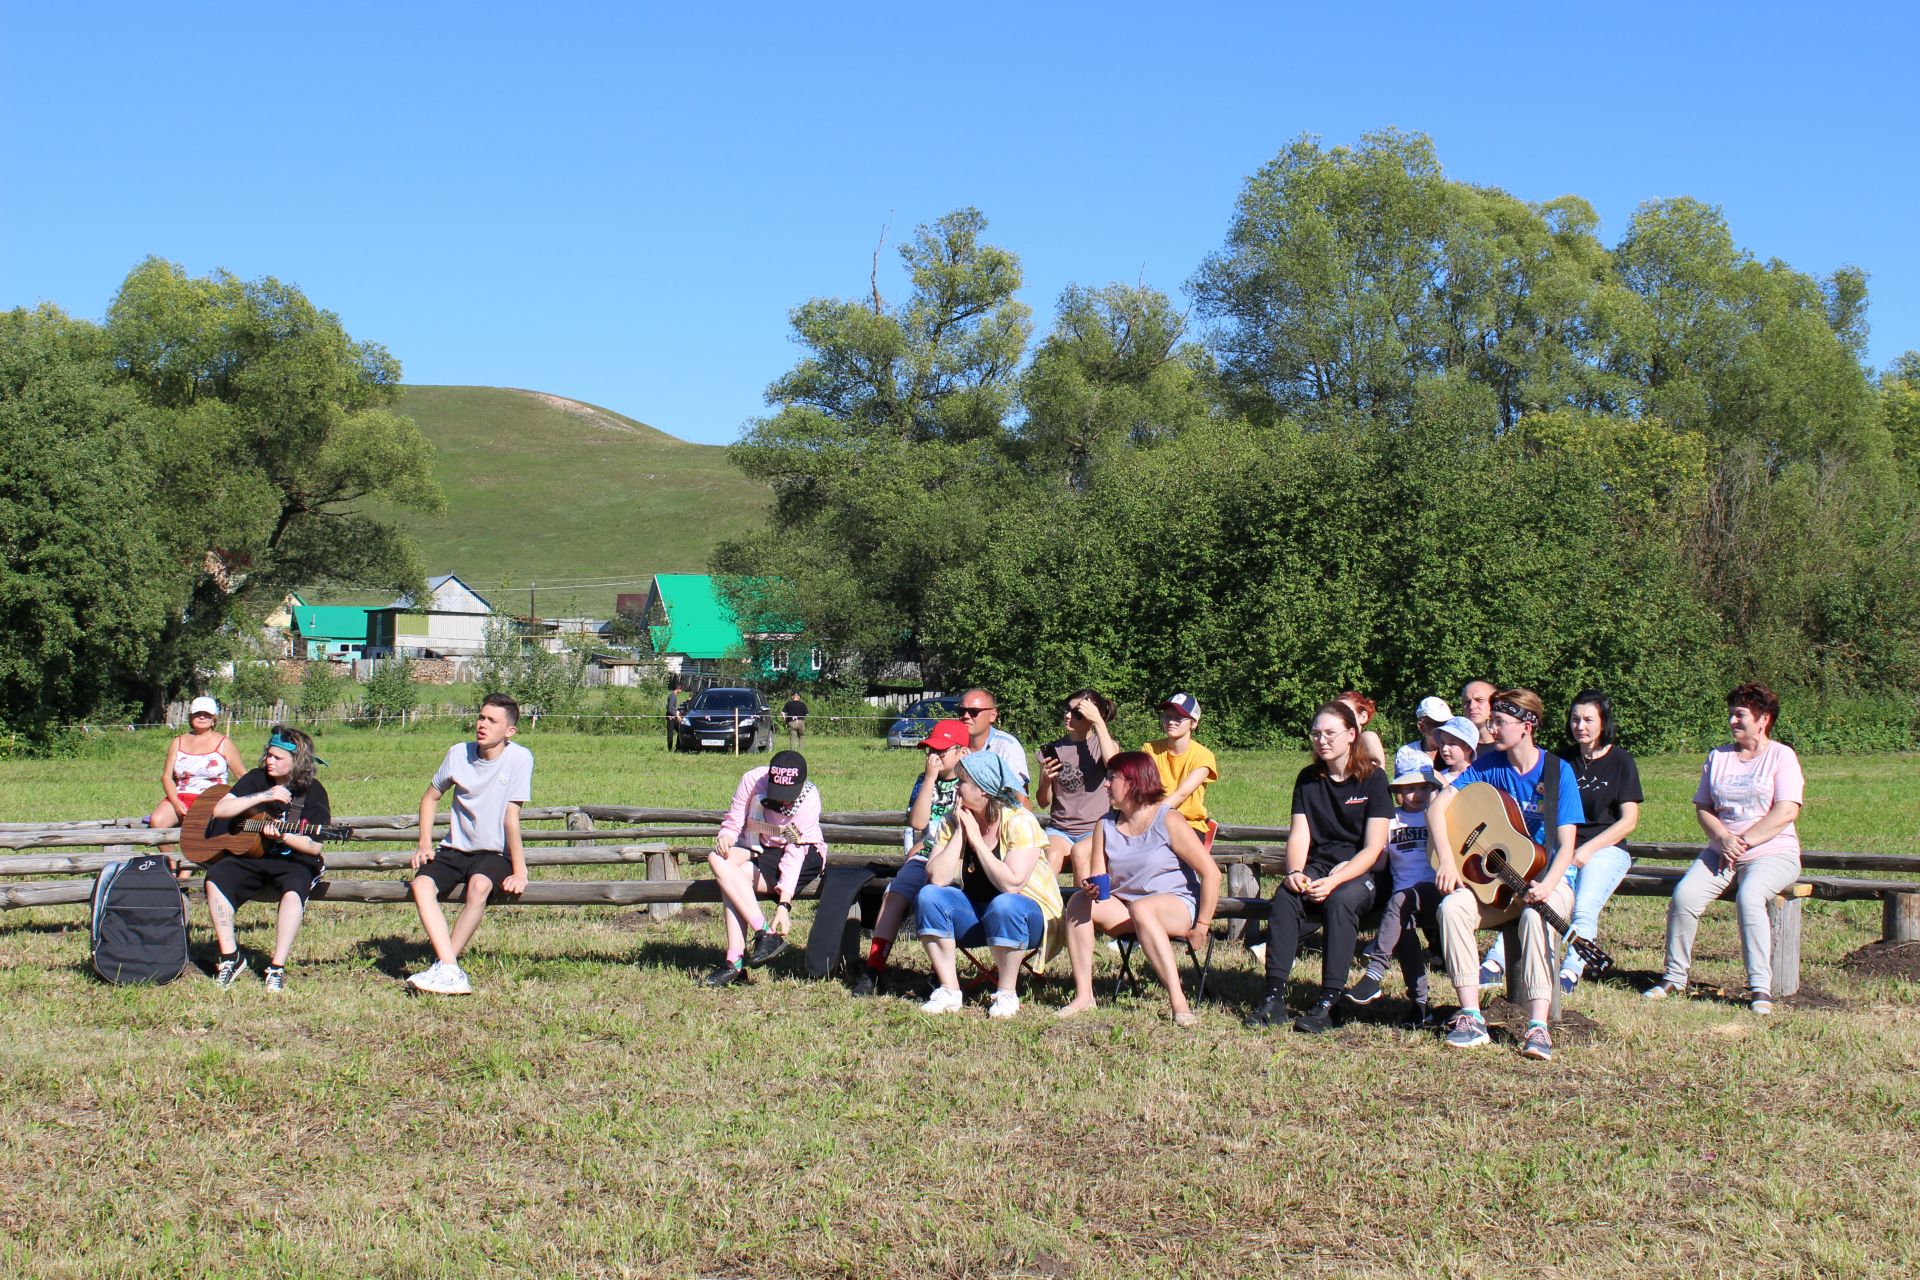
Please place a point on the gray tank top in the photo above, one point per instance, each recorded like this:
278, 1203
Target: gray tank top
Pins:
1146, 864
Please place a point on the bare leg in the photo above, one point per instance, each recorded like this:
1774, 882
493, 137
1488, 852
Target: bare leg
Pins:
434, 921
292, 910
1058, 847
478, 889
164, 818
735, 875
220, 911
1154, 919
1006, 965
1084, 915
893, 909
940, 954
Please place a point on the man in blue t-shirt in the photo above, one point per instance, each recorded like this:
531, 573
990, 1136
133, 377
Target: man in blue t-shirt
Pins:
1516, 765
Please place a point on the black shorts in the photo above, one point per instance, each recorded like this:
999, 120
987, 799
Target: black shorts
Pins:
767, 863
265, 879
452, 868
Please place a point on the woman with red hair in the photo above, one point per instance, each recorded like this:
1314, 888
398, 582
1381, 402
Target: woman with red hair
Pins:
1363, 708
1145, 875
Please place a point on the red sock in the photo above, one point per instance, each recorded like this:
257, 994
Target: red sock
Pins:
877, 954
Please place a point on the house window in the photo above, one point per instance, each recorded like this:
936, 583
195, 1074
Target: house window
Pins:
816, 659
781, 660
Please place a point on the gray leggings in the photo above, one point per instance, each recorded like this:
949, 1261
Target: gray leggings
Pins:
1415, 904
1754, 884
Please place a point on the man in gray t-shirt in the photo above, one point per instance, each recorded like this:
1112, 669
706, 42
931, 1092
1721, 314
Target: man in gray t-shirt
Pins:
491, 777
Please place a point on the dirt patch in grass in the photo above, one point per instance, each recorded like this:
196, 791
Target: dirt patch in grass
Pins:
1885, 960
643, 919
1574, 1027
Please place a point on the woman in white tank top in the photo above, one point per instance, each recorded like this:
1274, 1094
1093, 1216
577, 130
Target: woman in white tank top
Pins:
200, 758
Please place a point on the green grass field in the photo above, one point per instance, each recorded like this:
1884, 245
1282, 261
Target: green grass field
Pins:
591, 1111
545, 489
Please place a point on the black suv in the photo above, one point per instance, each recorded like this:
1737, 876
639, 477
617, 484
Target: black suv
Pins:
725, 718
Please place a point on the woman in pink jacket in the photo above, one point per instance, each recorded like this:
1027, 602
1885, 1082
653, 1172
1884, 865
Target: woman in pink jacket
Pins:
769, 842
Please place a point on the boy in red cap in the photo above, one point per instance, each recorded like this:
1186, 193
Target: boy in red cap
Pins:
931, 801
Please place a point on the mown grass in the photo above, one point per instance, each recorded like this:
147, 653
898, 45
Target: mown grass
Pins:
591, 1111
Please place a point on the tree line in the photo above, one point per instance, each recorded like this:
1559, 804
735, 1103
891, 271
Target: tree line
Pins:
1414, 431
168, 475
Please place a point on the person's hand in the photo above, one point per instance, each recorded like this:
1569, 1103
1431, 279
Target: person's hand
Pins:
1087, 711
1050, 766
968, 823
782, 921
277, 795
423, 854
270, 829
1539, 891
1446, 877
514, 883
722, 845
1732, 848
933, 765
1319, 890
1582, 856
1197, 936
1297, 881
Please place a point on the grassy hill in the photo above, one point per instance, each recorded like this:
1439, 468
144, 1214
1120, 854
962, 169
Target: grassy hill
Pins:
547, 490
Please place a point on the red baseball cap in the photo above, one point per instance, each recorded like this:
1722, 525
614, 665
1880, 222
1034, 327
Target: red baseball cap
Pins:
946, 733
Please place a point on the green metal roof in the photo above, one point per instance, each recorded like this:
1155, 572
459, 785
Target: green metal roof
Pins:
331, 621
698, 623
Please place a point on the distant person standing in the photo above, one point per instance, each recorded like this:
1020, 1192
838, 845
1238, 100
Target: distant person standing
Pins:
795, 714
673, 712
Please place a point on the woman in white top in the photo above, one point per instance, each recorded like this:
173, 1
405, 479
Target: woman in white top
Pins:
196, 760
1749, 796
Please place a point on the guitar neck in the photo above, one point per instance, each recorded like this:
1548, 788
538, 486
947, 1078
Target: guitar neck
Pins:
1511, 878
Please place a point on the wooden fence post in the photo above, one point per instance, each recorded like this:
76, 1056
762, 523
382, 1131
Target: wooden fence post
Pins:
1242, 882
1783, 920
1900, 918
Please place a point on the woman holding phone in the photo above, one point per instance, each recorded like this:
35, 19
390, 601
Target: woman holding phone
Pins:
1072, 785
1146, 876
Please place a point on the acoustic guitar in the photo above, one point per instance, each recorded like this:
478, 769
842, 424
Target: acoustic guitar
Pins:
245, 840
1499, 859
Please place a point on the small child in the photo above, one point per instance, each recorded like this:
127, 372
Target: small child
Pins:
929, 804
1185, 766
769, 842
1416, 897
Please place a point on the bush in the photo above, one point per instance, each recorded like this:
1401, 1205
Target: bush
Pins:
391, 693
320, 690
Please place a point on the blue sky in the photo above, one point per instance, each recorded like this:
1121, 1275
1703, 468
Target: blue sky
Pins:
620, 203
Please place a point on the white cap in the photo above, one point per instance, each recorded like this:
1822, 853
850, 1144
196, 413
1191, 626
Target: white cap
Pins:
1432, 708
203, 703
1411, 767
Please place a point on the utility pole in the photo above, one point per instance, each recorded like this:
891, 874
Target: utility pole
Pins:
533, 610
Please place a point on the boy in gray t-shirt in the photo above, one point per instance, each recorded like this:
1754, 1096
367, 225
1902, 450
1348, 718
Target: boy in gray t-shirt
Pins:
490, 777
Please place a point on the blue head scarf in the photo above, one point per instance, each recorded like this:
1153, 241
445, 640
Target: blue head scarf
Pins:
990, 773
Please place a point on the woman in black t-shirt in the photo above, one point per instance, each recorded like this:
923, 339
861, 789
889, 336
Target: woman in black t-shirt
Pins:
1610, 797
284, 791
1341, 812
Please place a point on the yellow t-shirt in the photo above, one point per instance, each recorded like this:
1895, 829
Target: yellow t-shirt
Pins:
1174, 769
1021, 830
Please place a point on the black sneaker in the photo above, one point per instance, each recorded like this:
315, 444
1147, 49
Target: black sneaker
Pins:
1365, 991
1421, 1018
228, 970
1271, 1011
765, 947
725, 976
1320, 1017
867, 984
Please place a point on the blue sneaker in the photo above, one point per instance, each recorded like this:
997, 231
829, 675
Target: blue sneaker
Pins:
1537, 1044
1467, 1030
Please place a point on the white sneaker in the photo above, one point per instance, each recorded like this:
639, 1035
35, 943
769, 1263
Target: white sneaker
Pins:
456, 983
424, 980
442, 980
1005, 1004
943, 1000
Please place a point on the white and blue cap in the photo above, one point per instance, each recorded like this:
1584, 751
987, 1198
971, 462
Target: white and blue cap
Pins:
1411, 767
1463, 730
1185, 703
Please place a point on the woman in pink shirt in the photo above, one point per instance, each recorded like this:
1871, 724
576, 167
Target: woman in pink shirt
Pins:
769, 842
1750, 793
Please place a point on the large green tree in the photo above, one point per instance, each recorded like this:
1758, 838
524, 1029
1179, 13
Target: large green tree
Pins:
81, 559
276, 430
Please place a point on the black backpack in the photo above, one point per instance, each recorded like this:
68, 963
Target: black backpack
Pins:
139, 922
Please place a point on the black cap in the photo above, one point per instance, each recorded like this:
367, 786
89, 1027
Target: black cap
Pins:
786, 775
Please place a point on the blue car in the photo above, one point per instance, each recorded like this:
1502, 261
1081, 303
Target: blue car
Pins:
911, 729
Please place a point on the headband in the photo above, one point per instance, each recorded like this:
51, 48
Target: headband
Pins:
289, 746
1515, 711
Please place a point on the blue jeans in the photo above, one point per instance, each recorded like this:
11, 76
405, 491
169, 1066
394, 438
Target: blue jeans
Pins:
1010, 920
1591, 890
